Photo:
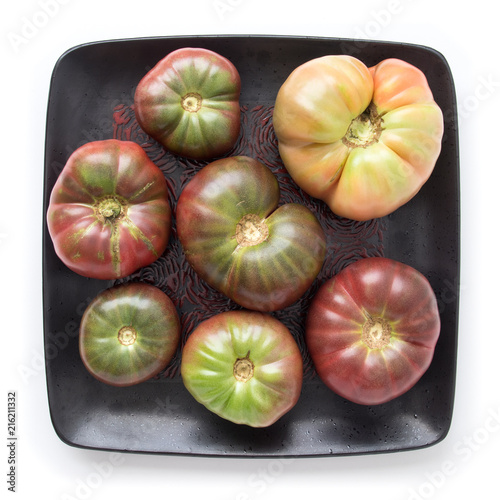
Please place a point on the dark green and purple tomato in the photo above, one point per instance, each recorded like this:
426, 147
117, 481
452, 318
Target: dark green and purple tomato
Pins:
128, 334
189, 102
236, 237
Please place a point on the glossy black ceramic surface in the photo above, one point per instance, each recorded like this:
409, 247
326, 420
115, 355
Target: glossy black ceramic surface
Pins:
91, 98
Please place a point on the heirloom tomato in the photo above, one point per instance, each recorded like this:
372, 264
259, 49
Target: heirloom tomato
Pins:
109, 212
372, 329
189, 102
244, 366
364, 140
237, 239
128, 334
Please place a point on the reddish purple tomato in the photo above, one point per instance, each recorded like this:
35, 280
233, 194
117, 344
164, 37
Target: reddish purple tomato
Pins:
189, 102
109, 213
236, 237
244, 366
128, 334
372, 329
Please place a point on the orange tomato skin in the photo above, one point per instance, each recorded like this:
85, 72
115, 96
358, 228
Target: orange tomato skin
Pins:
362, 169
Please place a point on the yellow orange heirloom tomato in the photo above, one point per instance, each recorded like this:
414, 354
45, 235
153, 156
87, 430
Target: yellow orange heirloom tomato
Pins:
364, 140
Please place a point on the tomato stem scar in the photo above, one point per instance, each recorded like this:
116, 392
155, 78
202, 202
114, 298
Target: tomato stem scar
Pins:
243, 369
127, 335
365, 129
376, 333
191, 102
251, 230
110, 208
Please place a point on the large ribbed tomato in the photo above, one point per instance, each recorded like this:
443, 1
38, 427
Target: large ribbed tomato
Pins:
362, 140
109, 212
245, 366
189, 102
372, 329
128, 334
236, 237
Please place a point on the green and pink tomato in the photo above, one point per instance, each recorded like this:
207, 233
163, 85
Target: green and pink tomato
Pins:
363, 140
109, 211
244, 366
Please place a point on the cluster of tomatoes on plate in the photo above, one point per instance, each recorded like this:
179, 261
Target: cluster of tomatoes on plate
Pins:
363, 140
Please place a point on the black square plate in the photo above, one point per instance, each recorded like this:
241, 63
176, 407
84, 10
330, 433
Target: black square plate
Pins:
91, 98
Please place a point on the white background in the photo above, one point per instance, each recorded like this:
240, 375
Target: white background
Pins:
466, 34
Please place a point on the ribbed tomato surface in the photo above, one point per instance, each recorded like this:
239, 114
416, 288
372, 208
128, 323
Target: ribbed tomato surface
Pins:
245, 366
109, 211
372, 329
128, 334
236, 237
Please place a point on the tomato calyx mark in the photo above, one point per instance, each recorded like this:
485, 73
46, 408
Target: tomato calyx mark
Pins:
364, 130
127, 335
376, 333
243, 368
251, 230
110, 209
191, 102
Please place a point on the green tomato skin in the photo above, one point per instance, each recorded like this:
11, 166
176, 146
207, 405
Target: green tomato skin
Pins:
152, 315
208, 360
266, 276
189, 102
